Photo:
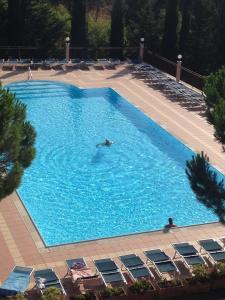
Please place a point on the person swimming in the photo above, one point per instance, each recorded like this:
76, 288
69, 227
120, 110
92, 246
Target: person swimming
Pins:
105, 143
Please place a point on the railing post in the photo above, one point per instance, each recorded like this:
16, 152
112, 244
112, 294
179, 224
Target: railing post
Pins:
178, 69
141, 51
67, 49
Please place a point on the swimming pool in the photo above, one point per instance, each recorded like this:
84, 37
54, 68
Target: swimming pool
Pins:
75, 191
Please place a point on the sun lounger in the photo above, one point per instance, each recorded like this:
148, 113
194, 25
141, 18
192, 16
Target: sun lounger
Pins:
136, 268
109, 272
7, 67
17, 281
47, 278
115, 61
78, 270
214, 250
162, 262
189, 254
22, 66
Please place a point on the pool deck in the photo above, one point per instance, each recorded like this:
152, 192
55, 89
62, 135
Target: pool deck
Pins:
20, 243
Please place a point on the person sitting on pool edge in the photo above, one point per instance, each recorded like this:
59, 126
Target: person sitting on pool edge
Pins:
105, 143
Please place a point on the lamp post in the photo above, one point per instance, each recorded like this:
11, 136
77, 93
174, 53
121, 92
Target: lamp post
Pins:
142, 46
67, 49
178, 70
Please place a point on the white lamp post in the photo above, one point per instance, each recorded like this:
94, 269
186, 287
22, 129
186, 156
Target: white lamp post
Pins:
178, 71
67, 49
142, 46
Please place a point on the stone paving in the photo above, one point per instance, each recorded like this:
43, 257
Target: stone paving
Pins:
20, 243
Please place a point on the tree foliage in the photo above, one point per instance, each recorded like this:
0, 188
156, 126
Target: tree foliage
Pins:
18, 297
17, 137
116, 35
98, 31
170, 27
201, 50
143, 19
51, 293
185, 11
205, 184
17, 10
55, 20
169, 43
79, 23
214, 90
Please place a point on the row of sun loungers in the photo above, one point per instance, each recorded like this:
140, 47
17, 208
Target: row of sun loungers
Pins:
111, 274
172, 89
19, 279
73, 64
156, 258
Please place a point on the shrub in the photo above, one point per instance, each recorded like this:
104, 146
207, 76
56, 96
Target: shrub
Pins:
110, 292
18, 297
218, 271
140, 287
51, 293
201, 273
87, 296
169, 283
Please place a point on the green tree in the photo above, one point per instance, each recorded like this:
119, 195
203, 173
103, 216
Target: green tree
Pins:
201, 51
79, 24
17, 137
214, 90
220, 25
143, 18
17, 10
205, 184
50, 26
3, 22
98, 31
169, 43
185, 8
116, 35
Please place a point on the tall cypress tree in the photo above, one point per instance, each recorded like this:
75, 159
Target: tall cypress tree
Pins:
79, 23
143, 19
169, 43
3, 22
220, 33
201, 43
116, 36
16, 21
185, 8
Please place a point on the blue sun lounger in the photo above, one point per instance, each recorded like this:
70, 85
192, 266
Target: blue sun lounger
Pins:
135, 267
162, 262
214, 250
109, 272
17, 281
189, 254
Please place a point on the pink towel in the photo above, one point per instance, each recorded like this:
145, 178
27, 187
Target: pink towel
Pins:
81, 273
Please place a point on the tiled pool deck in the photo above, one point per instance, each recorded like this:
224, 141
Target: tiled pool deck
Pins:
20, 243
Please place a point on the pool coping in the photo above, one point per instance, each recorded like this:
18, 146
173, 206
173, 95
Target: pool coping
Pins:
22, 245
36, 235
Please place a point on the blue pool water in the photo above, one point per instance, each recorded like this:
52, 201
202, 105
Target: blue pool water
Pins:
75, 191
